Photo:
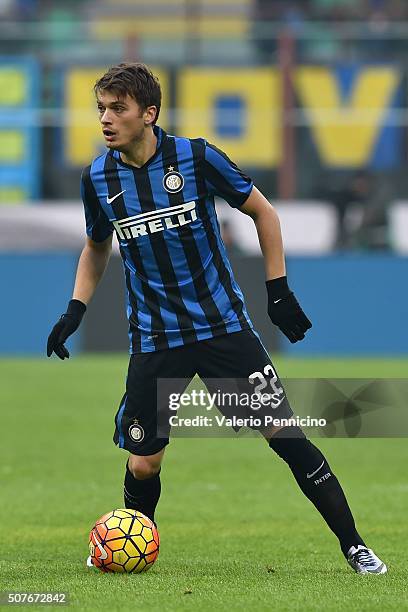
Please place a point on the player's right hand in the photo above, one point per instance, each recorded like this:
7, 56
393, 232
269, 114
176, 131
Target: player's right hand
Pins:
67, 324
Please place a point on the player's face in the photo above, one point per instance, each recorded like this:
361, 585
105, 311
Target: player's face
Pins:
122, 119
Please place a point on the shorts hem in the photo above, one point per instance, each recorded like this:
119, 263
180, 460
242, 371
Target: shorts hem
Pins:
144, 452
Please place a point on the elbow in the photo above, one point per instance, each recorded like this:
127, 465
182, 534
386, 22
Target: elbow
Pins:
268, 216
104, 247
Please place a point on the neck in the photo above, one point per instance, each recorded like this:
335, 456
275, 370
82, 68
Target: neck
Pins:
140, 152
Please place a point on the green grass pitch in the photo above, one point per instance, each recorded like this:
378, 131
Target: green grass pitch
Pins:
236, 533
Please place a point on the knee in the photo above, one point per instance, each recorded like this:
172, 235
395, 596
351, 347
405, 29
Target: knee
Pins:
271, 431
143, 468
285, 432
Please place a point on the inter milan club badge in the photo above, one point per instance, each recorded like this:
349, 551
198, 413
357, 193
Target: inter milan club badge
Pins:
173, 181
136, 432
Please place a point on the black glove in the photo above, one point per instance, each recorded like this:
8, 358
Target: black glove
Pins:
68, 323
285, 311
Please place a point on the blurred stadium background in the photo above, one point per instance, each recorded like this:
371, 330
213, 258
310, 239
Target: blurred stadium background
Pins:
309, 97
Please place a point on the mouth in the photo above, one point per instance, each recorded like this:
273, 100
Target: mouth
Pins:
109, 134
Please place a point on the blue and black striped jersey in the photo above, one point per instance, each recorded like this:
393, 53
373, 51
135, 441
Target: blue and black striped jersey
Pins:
180, 285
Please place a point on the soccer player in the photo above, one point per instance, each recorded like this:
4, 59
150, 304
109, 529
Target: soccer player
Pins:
186, 312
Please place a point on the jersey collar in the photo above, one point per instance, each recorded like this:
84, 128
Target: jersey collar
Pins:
161, 138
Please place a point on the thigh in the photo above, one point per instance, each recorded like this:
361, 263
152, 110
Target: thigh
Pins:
239, 361
231, 355
136, 421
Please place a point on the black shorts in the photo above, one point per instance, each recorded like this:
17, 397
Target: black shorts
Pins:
239, 356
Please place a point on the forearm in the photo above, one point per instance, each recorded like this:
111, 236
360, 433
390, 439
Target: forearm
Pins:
91, 266
267, 225
270, 240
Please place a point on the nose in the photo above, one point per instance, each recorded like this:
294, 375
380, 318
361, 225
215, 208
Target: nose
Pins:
105, 118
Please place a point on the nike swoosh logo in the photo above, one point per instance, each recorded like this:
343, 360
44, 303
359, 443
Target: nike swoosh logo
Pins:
110, 200
277, 301
103, 552
315, 472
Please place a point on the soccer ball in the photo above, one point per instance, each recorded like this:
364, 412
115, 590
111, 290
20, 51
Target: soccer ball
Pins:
124, 540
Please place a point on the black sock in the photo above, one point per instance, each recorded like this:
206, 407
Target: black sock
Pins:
318, 483
142, 495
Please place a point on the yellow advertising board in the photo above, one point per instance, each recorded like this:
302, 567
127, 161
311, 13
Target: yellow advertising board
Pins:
346, 108
239, 110
345, 128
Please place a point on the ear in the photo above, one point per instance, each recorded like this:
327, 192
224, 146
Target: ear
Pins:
150, 115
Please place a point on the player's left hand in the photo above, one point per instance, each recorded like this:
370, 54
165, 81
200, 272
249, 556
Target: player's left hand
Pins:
285, 311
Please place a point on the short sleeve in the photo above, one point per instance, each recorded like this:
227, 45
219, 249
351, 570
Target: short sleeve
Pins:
225, 178
98, 226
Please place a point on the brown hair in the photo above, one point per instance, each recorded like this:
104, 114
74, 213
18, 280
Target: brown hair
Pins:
135, 79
